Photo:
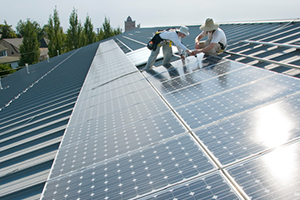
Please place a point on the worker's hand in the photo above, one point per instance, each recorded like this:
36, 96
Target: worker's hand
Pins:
197, 45
190, 53
196, 51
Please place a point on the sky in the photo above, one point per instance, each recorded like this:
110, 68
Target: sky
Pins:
149, 13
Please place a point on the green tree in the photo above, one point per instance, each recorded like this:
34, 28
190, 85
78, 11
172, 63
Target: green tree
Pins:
55, 35
6, 31
106, 31
75, 37
29, 49
90, 35
21, 27
117, 31
6, 69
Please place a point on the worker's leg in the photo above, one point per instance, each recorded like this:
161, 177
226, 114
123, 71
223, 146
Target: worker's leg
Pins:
214, 51
167, 52
201, 45
152, 59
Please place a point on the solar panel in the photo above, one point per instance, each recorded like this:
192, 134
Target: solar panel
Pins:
202, 134
212, 186
271, 176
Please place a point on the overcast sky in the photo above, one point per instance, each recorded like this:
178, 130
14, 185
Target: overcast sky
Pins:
149, 13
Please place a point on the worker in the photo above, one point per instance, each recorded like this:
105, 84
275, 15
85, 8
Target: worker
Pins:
165, 39
216, 39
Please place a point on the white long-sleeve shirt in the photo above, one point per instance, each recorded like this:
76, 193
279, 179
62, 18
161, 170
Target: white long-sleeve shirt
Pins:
173, 36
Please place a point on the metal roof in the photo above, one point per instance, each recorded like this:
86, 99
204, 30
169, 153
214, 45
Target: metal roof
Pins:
36, 107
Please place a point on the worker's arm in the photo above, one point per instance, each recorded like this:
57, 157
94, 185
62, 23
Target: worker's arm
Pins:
204, 50
188, 52
198, 38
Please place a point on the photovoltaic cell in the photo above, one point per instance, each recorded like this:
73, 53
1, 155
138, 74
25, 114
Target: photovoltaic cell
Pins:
114, 142
113, 114
241, 99
256, 131
134, 174
207, 187
271, 176
211, 86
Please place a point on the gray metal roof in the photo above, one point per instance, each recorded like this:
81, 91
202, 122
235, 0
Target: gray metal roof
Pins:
35, 110
36, 107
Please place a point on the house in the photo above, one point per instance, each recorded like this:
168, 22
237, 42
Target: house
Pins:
3, 51
12, 46
13, 54
43, 49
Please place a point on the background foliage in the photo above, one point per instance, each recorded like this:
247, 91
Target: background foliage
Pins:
76, 36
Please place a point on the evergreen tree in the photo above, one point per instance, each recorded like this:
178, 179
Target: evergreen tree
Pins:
100, 34
21, 28
106, 31
29, 49
88, 30
74, 34
6, 31
117, 31
55, 35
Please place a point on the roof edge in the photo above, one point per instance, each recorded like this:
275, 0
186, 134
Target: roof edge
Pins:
262, 21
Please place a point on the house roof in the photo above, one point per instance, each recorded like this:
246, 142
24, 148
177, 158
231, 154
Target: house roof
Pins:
209, 133
2, 48
9, 59
14, 41
44, 43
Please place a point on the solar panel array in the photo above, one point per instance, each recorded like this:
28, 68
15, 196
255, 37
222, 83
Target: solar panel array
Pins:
224, 131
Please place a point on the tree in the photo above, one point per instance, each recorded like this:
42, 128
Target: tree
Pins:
39, 31
117, 31
6, 69
90, 35
6, 31
106, 31
29, 49
74, 33
55, 35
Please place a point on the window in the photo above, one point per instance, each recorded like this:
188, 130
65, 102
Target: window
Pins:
2, 53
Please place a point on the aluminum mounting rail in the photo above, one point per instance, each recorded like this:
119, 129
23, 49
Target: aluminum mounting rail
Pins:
265, 60
272, 44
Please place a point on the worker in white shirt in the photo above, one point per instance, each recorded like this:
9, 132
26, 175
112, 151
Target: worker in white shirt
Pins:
216, 39
165, 40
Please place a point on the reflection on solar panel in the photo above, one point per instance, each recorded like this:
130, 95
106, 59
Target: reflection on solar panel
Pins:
140, 56
208, 133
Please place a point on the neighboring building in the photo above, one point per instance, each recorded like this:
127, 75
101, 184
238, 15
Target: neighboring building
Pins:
13, 54
130, 25
3, 51
43, 49
13, 45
